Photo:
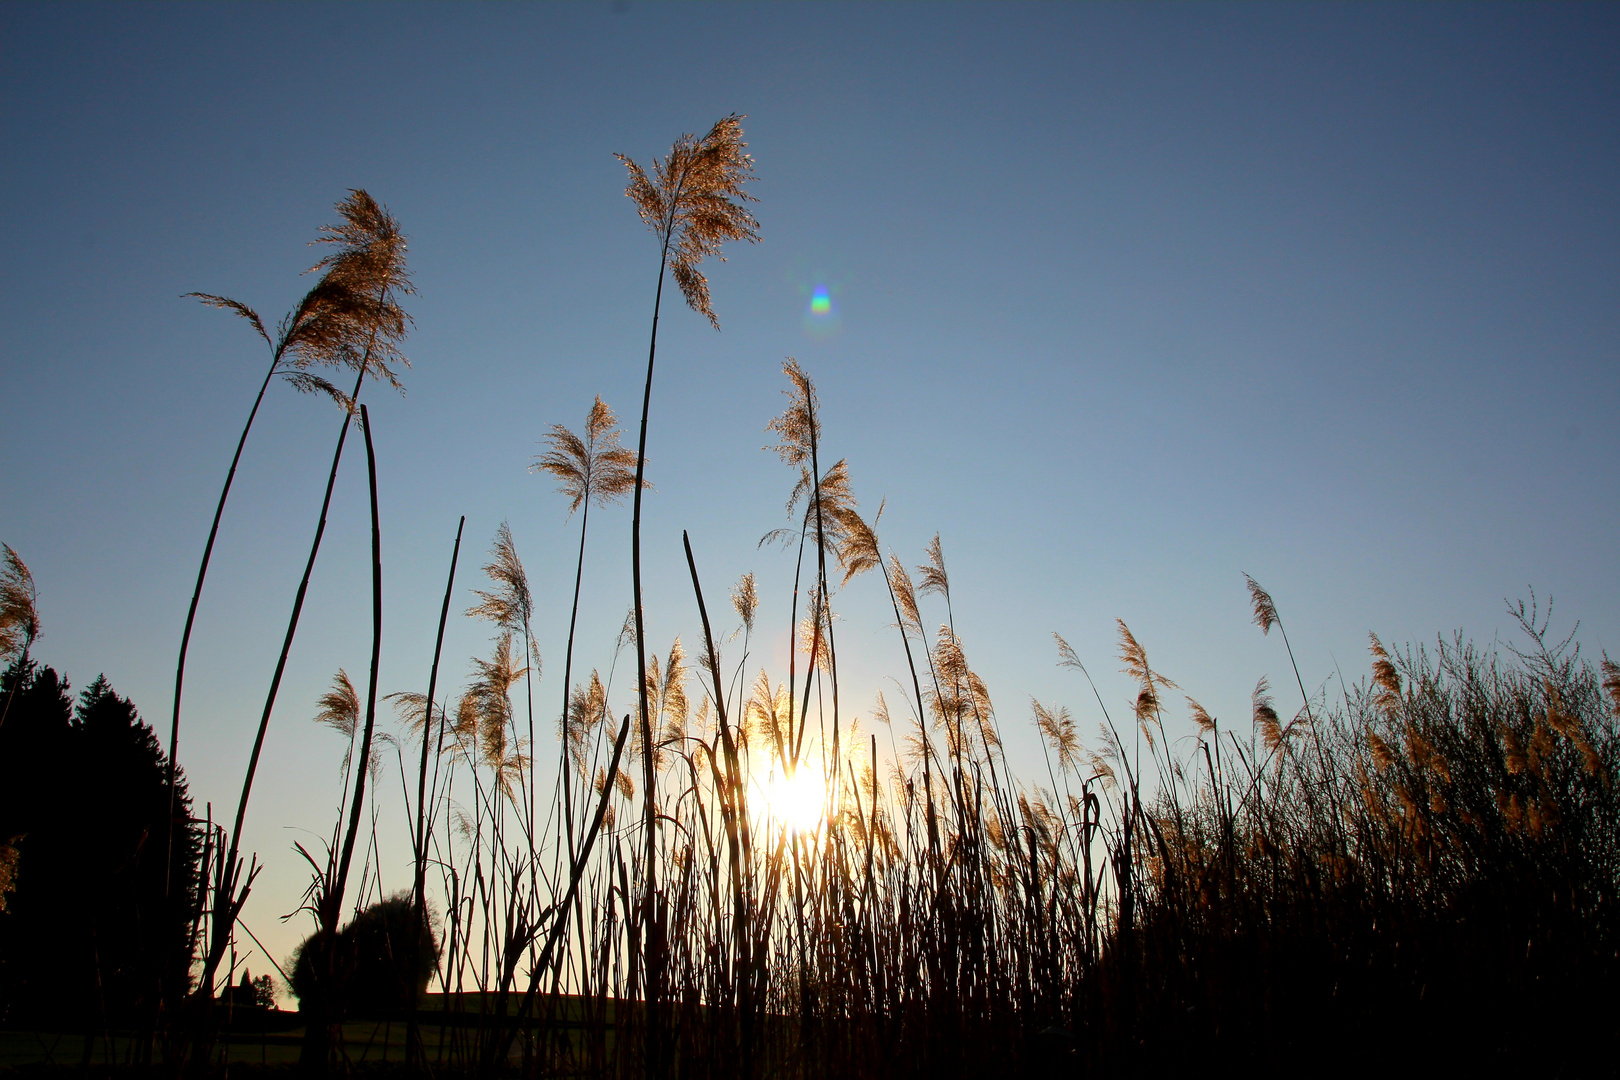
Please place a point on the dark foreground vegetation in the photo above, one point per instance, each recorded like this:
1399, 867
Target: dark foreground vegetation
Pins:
732, 878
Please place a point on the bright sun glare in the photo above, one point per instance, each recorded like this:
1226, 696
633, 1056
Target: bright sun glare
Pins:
800, 802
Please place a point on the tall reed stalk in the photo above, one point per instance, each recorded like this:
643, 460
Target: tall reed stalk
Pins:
693, 204
419, 836
317, 1046
590, 470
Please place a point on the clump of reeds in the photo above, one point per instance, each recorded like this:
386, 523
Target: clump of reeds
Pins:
1432, 855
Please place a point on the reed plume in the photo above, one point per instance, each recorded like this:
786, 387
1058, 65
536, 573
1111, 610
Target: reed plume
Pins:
1265, 617
510, 606
1266, 720
931, 576
339, 709
486, 710
1058, 727
693, 203
9, 858
745, 600
594, 469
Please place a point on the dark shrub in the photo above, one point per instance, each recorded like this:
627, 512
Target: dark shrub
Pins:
372, 961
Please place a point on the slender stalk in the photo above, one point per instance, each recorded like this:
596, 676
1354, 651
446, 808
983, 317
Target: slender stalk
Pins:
826, 600
501, 1045
191, 616
222, 931
371, 687
413, 1035
731, 795
568, 675
292, 628
653, 942
318, 1031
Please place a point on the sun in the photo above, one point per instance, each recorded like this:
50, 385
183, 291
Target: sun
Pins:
799, 802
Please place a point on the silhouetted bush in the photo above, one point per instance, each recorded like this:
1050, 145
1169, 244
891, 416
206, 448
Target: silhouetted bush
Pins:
373, 961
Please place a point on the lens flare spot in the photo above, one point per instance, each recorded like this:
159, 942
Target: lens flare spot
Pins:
820, 296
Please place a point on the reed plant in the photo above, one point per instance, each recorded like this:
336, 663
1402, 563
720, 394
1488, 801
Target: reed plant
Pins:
693, 203
339, 318
367, 266
593, 469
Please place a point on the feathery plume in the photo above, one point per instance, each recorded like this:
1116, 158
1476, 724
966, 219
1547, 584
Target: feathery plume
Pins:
858, 552
1205, 722
486, 708
627, 630
1383, 757
339, 706
766, 711
620, 780
587, 707
367, 264
745, 599
351, 318
693, 203
905, 595
1134, 656
1067, 657
837, 509
412, 709
339, 709
673, 691
880, 711
9, 857
1137, 667
1385, 675
932, 575
818, 613
1058, 727
510, 606
1265, 714
595, 468
798, 427
1265, 610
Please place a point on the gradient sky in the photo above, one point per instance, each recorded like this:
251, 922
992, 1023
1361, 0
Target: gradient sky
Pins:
1121, 300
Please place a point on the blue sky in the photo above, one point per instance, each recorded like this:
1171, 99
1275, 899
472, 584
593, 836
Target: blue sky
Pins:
1127, 300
